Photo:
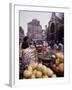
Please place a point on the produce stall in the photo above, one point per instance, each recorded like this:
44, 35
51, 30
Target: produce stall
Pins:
38, 71
49, 65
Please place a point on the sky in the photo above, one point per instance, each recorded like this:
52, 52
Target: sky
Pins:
27, 16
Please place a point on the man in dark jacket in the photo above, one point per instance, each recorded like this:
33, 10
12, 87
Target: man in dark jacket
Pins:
25, 43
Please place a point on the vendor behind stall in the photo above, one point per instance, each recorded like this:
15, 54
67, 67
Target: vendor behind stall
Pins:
25, 45
29, 51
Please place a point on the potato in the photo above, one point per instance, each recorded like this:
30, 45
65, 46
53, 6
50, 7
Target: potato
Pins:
61, 67
39, 67
34, 72
57, 55
44, 72
45, 76
33, 76
57, 62
29, 68
49, 72
62, 58
27, 74
38, 74
44, 69
34, 65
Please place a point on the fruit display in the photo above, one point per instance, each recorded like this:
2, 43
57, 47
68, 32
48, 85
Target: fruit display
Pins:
58, 64
36, 70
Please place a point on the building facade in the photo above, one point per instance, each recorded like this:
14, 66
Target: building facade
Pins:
34, 30
55, 30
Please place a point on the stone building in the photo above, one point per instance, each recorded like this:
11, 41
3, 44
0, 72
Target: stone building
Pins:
55, 30
34, 30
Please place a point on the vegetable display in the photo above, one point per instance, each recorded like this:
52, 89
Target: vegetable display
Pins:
38, 71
